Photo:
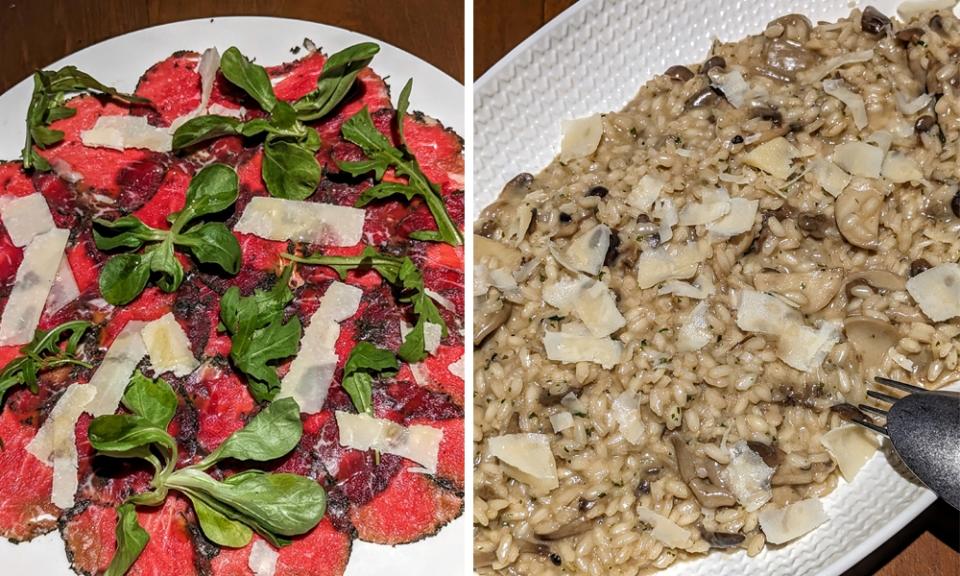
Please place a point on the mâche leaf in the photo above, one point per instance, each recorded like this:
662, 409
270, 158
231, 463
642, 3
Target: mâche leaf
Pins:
382, 155
249, 77
271, 434
259, 334
131, 540
212, 190
403, 274
203, 128
153, 400
290, 170
43, 353
338, 75
218, 527
50, 89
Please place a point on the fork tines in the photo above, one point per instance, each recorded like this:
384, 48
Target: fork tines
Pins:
881, 396
898, 385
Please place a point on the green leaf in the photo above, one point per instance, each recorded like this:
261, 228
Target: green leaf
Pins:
123, 278
359, 387
272, 433
120, 433
283, 117
213, 243
365, 362
402, 104
274, 342
131, 540
203, 128
290, 170
153, 400
251, 78
218, 528
43, 353
339, 73
360, 130
163, 261
385, 190
211, 190
284, 504
124, 232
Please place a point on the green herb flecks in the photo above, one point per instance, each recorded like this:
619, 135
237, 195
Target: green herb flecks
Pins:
276, 506
290, 168
124, 276
47, 105
42, 354
259, 334
403, 274
381, 156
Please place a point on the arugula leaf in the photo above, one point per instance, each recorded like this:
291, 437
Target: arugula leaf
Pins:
131, 540
290, 170
259, 335
381, 155
404, 275
365, 362
338, 75
271, 434
50, 89
251, 78
43, 353
211, 191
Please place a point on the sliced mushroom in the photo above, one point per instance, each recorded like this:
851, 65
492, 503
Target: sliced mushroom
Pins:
576, 528
490, 251
708, 493
817, 288
858, 213
939, 204
879, 279
871, 338
509, 213
787, 476
721, 540
488, 319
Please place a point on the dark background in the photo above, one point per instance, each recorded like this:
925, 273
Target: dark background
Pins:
926, 547
36, 33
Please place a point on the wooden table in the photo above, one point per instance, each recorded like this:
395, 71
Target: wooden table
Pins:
35, 33
927, 546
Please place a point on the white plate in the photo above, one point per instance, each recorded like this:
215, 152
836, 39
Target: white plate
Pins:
120, 62
594, 58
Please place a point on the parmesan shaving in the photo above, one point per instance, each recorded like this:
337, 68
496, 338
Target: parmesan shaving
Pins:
775, 157
263, 559
740, 219
626, 411
561, 421
854, 102
695, 331
818, 72
313, 222
570, 347
64, 289
122, 132
527, 458
665, 530
587, 251
580, 137
937, 291
851, 447
830, 177
113, 374
168, 346
418, 443
31, 288
781, 525
668, 262
25, 217
646, 192
859, 158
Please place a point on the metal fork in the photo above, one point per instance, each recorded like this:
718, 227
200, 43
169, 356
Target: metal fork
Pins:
924, 428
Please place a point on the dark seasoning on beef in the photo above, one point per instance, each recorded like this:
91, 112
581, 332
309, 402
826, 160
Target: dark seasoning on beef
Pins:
371, 497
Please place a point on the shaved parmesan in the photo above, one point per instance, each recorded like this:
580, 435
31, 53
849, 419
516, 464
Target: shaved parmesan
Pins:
748, 477
829, 176
851, 448
311, 371
570, 347
64, 289
31, 288
739, 220
626, 411
775, 157
835, 62
573, 404
665, 530
420, 444
457, 368
646, 192
937, 291
313, 222
781, 525
207, 68
168, 346
113, 374
763, 313
854, 102
695, 331
587, 251
734, 87
527, 458
910, 107
122, 132
804, 348
900, 168
596, 306
714, 206
263, 559
911, 8
668, 262
666, 212
440, 299
859, 158
55, 442
580, 137
699, 289
561, 421
25, 217
432, 334
563, 293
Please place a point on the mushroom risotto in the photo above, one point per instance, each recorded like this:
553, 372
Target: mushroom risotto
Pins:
673, 318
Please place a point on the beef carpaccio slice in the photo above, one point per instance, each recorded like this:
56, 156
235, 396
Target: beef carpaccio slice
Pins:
377, 500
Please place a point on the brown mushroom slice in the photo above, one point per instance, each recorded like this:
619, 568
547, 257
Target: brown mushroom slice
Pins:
879, 279
575, 528
788, 476
818, 288
709, 495
871, 338
858, 214
485, 249
721, 540
488, 318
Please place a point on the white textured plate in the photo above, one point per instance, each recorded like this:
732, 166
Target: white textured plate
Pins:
120, 62
594, 58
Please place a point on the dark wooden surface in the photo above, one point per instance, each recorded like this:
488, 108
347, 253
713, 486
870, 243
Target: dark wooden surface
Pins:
35, 33
926, 547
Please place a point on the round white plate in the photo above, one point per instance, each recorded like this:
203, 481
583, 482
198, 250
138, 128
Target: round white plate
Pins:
120, 62
594, 58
